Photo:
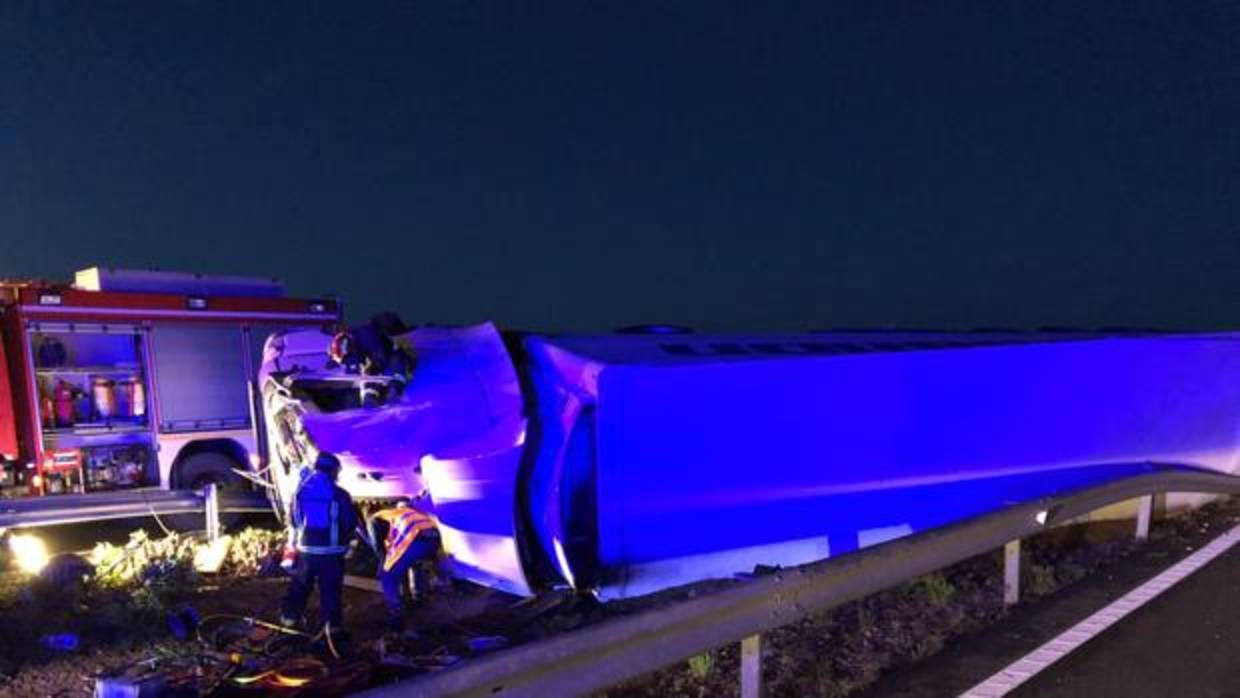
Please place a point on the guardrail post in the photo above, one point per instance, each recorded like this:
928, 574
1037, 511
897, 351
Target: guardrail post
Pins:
1011, 573
1145, 510
211, 506
751, 667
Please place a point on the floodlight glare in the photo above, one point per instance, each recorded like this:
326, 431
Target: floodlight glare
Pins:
29, 552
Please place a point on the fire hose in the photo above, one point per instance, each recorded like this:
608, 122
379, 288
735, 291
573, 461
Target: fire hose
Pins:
245, 659
324, 634
294, 673
263, 668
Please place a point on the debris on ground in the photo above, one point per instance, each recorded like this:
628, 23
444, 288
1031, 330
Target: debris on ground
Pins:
143, 614
116, 598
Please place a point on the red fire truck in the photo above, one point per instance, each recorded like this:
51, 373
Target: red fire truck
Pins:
127, 378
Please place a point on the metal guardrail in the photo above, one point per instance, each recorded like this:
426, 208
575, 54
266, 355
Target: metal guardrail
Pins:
54, 510
613, 651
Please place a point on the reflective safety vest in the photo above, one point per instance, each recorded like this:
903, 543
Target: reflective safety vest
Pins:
405, 527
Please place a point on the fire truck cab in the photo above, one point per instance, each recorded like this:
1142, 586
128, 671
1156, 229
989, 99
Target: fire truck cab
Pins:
133, 378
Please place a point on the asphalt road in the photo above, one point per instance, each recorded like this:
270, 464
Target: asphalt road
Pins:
1185, 642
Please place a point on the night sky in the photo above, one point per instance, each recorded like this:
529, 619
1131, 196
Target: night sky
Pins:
723, 165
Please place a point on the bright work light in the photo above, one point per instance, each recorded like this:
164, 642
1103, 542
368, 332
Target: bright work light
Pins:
29, 552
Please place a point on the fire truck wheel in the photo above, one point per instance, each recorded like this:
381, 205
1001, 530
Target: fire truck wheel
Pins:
195, 473
201, 469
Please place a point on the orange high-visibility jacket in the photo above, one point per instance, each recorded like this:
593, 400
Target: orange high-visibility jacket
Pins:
405, 523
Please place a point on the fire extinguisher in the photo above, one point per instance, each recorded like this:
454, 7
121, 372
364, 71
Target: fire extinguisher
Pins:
62, 404
104, 391
137, 397
47, 409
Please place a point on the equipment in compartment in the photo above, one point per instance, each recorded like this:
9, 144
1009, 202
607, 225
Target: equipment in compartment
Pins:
110, 467
83, 406
10, 475
64, 460
62, 404
62, 470
80, 400
103, 389
47, 409
131, 397
52, 353
90, 378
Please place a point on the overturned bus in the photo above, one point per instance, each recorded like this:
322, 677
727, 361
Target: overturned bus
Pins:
629, 463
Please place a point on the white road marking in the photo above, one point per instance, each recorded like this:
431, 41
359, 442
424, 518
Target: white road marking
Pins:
1028, 666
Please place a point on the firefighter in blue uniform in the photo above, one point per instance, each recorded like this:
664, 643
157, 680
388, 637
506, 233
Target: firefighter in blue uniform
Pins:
322, 523
412, 538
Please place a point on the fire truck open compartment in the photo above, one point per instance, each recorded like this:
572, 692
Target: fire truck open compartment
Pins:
92, 406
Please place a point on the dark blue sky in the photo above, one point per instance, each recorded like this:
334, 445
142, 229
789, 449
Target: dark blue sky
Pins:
588, 165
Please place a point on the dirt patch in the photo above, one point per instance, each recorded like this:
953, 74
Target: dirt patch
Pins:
120, 625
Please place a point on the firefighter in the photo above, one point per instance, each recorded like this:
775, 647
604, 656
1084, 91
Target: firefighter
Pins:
322, 523
411, 538
366, 350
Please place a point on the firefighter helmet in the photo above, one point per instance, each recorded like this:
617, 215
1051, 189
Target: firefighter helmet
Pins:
327, 462
341, 346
